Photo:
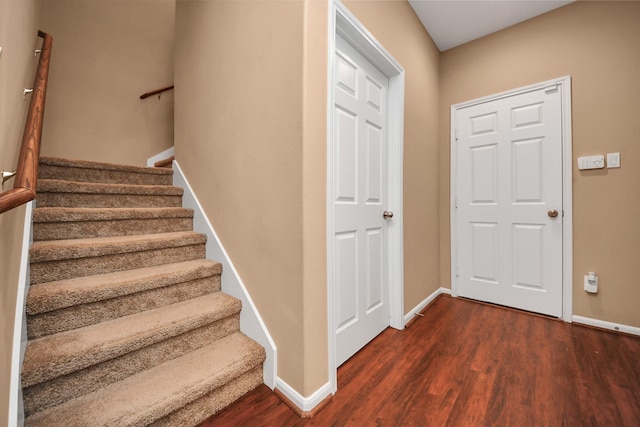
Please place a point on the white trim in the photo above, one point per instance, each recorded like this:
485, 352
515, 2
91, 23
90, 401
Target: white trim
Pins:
16, 410
342, 22
161, 156
251, 323
331, 339
428, 300
453, 172
564, 85
633, 330
305, 404
567, 200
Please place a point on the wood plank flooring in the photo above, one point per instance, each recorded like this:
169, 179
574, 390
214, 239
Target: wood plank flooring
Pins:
471, 364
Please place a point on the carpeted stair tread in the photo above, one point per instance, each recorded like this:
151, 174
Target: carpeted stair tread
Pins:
55, 192
59, 354
50, 296
89, 171
63, 186
210, 404
54, 250
159, 391
88, 164
60, 223
68, 214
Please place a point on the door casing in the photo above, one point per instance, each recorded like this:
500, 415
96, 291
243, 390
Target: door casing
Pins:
564, 86
342, 22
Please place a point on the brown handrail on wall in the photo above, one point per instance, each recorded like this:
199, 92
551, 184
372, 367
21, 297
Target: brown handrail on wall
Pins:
24, 186
165, 163
156, 92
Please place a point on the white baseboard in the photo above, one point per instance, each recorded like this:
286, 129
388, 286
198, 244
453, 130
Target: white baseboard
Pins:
306, 404
160, 156
251, 323
428, 300
607, 325
16, 409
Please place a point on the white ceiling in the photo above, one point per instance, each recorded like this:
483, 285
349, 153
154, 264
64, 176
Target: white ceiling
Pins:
451, 23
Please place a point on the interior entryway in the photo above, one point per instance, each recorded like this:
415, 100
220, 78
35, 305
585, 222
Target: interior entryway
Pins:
365, 129
360, 200
507, 191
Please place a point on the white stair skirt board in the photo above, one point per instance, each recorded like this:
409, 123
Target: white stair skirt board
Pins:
251, 323
428, 300
16, 410
632, 330
161, 156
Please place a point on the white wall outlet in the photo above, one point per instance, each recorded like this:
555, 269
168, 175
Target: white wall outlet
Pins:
613, 160
591, 283
591, 162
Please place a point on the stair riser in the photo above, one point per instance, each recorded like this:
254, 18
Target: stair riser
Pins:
90, 229
99, 200
81, 315
212, 403
67, 269
101, 175
61, 389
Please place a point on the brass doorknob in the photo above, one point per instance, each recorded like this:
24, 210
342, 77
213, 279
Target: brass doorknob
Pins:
387, 215
552, 213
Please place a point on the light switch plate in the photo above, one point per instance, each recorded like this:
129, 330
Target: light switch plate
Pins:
613, 160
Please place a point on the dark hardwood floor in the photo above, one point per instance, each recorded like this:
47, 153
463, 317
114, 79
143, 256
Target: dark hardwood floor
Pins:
471, 364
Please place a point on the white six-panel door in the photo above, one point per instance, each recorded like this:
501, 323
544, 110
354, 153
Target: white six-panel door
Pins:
508, 191
360, 197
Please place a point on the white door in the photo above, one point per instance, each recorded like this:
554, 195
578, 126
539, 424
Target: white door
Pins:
509, 201
360, 195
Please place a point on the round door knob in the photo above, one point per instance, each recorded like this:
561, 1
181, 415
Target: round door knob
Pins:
552, 213
387, 215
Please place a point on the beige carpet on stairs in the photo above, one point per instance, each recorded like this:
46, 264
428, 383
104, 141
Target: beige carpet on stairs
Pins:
126, 320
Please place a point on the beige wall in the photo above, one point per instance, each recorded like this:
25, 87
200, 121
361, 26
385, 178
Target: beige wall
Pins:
239, 120
251, 138
106, 54
314, 191
18, 39
597, 43
396, 26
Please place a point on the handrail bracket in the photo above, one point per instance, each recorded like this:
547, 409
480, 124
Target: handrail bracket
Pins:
6, 175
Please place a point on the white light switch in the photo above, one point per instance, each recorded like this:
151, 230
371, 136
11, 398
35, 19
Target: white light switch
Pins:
591, 162
613, 160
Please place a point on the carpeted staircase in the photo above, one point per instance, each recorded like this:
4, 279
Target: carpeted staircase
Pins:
125, 318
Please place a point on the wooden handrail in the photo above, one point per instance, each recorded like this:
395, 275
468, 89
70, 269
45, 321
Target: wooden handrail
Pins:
155, 92
24, 186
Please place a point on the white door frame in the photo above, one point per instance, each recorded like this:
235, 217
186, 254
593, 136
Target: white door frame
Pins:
342, 22
564, 85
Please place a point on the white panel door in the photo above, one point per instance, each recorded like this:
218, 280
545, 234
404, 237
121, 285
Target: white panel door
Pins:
509, 189
360, 186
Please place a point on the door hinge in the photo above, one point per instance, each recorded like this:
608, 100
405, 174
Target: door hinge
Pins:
457, 270
456, 133
455, 203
